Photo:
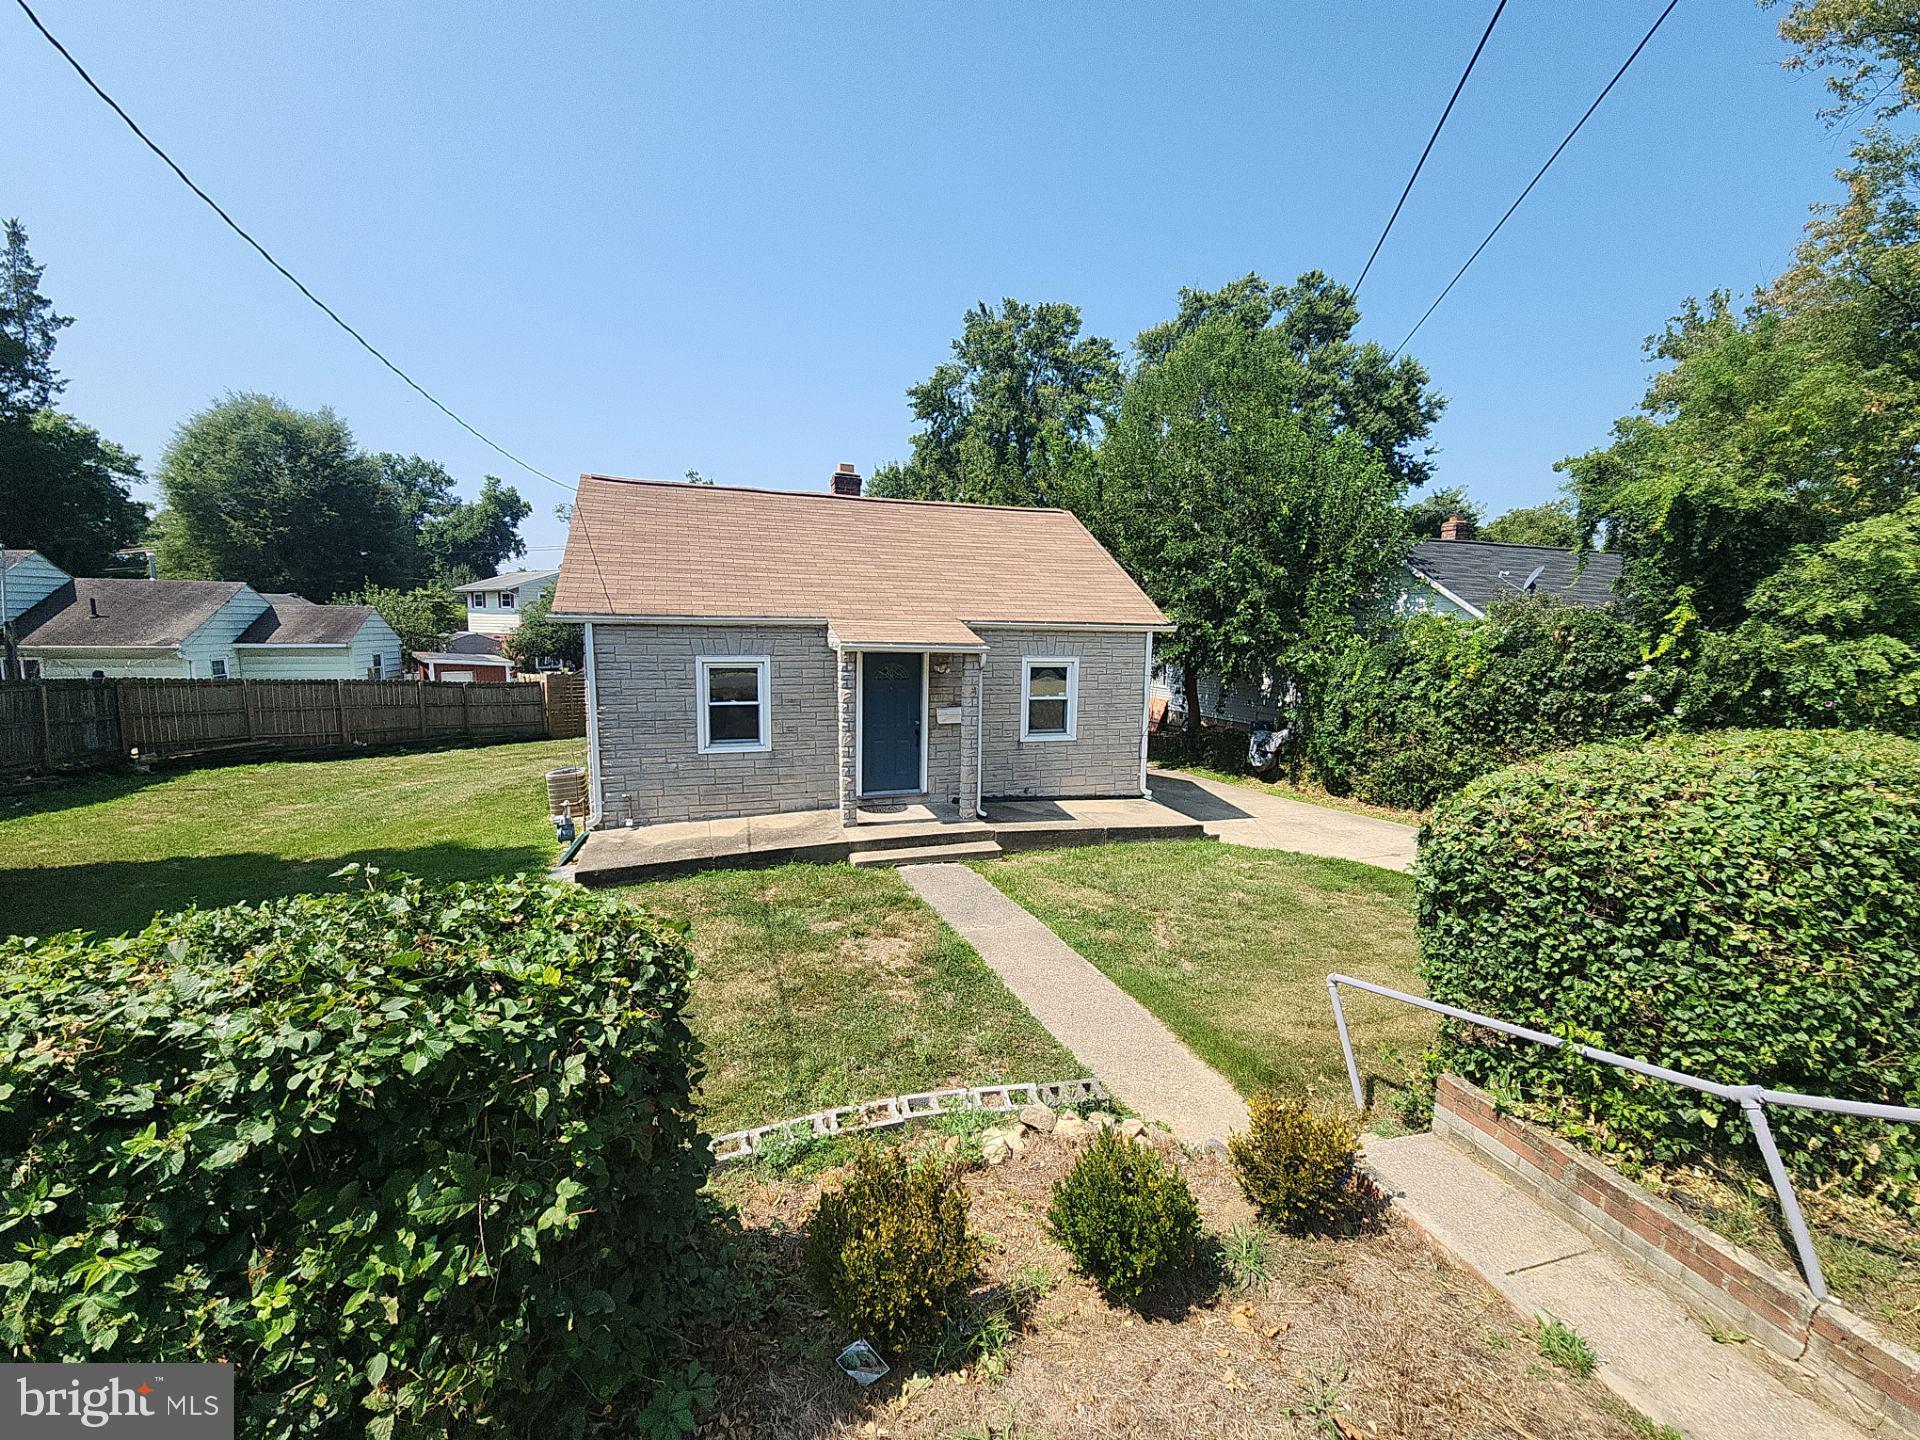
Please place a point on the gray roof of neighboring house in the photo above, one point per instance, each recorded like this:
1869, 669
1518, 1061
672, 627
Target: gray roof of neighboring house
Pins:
467, 642
297, 621
508, 581
115, 614
1482, 571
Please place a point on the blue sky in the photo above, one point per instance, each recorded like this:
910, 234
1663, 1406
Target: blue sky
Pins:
646, 238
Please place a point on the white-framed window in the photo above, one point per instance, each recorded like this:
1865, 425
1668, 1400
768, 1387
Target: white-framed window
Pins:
506, 599
379, 665
732, 703
29, 668
476, 599
219, 669
1049, 697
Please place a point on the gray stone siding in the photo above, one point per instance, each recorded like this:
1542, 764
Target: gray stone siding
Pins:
1104, 758
943, 741
649, 739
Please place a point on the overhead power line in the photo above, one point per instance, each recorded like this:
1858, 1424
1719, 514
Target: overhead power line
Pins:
1538, 174
1420, 164
298, 284
267, 255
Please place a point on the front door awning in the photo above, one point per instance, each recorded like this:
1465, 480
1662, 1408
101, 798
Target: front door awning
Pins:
895, 634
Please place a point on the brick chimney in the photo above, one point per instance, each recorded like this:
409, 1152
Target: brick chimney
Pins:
846, 479
1456, 527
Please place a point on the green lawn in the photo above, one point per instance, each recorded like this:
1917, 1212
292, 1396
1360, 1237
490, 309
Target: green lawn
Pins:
823, 985
106, 852
1231, 947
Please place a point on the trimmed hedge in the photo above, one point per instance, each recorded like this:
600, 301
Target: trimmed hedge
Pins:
1743, 906
420, 1161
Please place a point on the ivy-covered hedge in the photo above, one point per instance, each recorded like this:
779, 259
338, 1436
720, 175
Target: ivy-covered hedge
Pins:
1740, 905
420, 1161
1412, 714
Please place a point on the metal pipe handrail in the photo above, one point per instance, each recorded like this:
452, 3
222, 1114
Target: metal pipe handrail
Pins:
1752, 1099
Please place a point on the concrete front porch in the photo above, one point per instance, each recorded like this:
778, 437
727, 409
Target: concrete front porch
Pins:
904, 833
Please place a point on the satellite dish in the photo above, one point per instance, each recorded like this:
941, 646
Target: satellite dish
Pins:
1533, 579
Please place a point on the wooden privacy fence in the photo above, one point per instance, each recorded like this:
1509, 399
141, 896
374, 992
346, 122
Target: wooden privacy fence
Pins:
53, 724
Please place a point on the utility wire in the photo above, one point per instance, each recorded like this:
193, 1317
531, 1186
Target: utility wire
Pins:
1644, 39
1420, 164
298, 284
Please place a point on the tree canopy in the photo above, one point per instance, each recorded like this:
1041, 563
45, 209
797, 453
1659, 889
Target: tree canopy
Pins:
1428, 510
1870, 49
1323, 375
1552, 523
1013, 417
540, 637
1777, 424
284, 499
1260, 530
64, 490
422, 618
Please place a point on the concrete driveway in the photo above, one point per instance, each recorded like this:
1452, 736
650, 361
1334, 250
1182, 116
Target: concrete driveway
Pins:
1241, 815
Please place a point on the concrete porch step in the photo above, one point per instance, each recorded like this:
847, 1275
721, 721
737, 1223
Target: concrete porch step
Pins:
904, 834
947, 852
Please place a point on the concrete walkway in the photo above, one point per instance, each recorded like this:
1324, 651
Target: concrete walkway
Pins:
1242, 815
1114, 1035
1653, 1354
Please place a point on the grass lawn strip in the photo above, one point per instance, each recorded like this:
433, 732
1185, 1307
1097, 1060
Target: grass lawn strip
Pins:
822, 985
107, 852
1230, 947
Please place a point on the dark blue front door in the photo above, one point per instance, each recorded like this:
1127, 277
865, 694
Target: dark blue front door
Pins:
890, 722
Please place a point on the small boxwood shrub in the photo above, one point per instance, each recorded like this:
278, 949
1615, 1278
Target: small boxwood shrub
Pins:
1737, 905
1298, 1166
889, 1250
420, 1161
1128, 1218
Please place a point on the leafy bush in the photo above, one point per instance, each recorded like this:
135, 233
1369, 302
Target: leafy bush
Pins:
889, 1251
1127, 1218
1299, 1165
1411, 716
1738, 905
416, 1159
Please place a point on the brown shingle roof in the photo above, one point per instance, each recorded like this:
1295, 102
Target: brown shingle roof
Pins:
664, 548
87, 613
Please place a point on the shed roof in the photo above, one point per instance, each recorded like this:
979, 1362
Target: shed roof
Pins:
301, 622
124, 614
657, 549
1482, 571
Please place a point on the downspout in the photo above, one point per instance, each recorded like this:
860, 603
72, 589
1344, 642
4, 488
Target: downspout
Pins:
594, 776
980, 742
1146, 716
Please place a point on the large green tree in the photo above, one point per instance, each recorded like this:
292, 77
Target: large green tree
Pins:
1324, 375
1775, 425
283, 499
1261, 531
422, 618
64, 490
1553, 523
539, 637
1870, 49
1014, 416
1429, 509
455, 540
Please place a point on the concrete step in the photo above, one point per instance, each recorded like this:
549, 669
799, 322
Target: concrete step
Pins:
902, 834
952, 850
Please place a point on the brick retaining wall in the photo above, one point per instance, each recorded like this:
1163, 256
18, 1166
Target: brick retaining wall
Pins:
1842, 1353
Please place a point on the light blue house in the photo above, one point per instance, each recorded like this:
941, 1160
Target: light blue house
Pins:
67, 628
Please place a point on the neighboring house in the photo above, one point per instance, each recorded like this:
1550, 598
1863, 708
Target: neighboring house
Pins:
467, 657
1454, 575
757, 651
1459, 575
494, 605
69, 628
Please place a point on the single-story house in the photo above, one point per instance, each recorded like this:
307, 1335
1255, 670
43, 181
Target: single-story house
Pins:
494, 605
753, 652
466, 656
1454, 575
76, 628
1459, 575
